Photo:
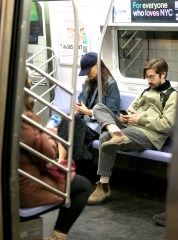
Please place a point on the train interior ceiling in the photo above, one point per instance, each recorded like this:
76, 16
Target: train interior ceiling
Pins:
139, 186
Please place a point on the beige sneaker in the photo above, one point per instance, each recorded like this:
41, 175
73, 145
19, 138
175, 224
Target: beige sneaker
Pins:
101, 194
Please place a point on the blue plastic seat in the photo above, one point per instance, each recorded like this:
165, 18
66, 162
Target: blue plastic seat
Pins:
164, 155
34, 211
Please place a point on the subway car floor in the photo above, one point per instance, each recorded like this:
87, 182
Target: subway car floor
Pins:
127, 216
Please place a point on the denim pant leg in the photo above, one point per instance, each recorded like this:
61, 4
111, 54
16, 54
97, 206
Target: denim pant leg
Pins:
105, 116
105, 160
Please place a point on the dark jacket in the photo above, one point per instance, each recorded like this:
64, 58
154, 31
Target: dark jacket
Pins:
111, 100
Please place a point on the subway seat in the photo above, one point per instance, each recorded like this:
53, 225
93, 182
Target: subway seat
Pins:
35, 211
164, 155
62, 102
62, 99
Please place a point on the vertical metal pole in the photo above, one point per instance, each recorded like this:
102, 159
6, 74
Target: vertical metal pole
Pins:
99, 51
74, 81
48, 43
172, 193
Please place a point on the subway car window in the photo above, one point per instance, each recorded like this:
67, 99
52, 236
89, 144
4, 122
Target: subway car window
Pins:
37, 36
136, 47
36, 23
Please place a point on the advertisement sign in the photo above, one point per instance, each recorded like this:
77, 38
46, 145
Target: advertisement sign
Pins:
63, 30
66, 42
145, 11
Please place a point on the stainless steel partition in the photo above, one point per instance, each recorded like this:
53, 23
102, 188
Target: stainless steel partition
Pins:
14, 32
70, 116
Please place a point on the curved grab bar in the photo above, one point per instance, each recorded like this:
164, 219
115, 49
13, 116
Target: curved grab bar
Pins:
74, 81
72, 93
99, 51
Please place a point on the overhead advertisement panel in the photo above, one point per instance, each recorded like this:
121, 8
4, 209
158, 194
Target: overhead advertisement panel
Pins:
145, 11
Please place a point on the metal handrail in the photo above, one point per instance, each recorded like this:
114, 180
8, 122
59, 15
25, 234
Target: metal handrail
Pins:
41, 128
69, 117
53, 58
74, 82
43, 66
40, 155
53, 80
136, 43
135, 58
129, 39
99, 51
54, 190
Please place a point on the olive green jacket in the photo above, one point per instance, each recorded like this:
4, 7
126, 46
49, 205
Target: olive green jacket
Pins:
155, 121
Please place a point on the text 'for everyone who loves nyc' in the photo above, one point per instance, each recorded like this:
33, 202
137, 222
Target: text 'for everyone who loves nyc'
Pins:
151, 9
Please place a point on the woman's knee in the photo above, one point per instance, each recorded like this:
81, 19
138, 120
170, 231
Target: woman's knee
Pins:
80, 183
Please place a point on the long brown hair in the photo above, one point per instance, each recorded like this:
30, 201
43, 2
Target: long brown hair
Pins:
28, 101
105, 74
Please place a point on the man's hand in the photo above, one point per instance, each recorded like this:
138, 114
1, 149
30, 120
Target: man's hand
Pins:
131, 119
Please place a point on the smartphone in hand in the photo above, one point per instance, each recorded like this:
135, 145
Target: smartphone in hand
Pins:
53, 122
124, 112
79, 104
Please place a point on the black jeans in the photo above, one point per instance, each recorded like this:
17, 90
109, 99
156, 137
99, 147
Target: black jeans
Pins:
80, 191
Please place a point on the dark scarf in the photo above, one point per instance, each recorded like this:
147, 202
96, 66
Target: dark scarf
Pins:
163, 96
163, 86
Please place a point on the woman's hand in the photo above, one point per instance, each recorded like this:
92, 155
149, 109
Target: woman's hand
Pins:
82, 109
62, 152
50, 139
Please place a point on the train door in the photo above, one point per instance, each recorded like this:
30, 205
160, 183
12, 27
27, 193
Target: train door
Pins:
14, 32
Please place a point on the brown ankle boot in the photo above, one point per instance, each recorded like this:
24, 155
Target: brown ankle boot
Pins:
101, 194
57, 236
116, 139
121, 143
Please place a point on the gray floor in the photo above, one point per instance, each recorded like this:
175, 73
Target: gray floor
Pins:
128, 216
